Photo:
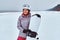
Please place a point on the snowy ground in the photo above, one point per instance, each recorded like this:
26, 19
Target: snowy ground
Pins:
49, 28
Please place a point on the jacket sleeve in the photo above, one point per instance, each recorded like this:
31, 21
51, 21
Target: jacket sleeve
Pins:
19, 25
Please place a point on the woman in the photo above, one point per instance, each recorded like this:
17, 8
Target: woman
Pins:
23, 24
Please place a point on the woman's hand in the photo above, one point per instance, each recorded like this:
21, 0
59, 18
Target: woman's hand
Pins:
25, 31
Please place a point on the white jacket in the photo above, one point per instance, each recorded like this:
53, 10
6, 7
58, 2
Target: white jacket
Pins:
23, 23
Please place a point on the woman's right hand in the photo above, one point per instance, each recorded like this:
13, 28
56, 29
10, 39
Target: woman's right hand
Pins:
25, 31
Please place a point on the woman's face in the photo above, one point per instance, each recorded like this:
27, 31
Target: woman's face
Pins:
25, 11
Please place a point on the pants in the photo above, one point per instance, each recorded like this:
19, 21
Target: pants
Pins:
21, 38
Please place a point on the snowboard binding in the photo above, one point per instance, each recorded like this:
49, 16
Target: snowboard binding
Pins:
32, 34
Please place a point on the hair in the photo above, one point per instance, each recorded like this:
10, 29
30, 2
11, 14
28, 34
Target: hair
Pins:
28, 11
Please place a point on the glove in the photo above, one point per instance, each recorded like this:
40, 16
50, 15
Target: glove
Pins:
25, 31
28, 30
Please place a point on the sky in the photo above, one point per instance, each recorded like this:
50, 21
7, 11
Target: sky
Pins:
36, 5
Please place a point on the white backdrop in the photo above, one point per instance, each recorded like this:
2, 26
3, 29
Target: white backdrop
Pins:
49, 27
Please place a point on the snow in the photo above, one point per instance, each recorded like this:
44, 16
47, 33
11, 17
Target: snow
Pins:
49, 28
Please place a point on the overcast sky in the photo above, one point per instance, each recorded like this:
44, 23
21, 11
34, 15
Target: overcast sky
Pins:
16, 5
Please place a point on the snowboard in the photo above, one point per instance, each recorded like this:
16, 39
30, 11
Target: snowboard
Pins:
34, 26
